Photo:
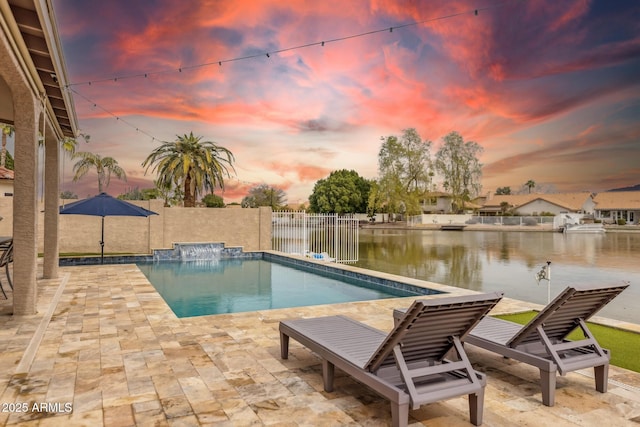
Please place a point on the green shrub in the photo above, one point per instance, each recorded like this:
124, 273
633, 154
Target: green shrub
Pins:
213, 201
622, 222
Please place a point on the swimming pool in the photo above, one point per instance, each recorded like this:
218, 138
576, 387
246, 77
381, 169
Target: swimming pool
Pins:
197, 288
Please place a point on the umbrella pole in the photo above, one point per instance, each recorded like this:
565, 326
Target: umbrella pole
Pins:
102, 243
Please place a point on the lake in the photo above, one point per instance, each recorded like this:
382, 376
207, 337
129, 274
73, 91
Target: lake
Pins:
509, 260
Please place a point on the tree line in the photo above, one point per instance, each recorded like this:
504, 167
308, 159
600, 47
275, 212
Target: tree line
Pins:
408, 174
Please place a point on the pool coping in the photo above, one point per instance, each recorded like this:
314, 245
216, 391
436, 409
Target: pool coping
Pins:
378, 280
337, 268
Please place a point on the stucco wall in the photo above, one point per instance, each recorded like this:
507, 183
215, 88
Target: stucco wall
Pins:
6, 186
537, 206
6, 212
248, 228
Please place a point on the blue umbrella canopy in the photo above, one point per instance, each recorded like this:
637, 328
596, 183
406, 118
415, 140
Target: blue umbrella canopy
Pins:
104, 205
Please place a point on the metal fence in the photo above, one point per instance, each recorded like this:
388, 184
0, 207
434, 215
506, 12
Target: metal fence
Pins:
438, 219
511, 220
322, 236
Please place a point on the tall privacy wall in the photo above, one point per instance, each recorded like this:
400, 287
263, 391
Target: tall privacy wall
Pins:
248, 228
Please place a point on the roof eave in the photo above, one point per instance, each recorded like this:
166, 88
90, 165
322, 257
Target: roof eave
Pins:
22, 49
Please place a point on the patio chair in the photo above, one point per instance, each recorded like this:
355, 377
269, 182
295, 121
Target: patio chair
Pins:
542, 342
407, 366
6, 257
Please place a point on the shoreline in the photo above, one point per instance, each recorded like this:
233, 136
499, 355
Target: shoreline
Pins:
402, 225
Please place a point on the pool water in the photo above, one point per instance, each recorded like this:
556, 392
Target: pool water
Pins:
198, 288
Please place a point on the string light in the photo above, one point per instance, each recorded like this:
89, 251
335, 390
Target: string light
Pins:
118, 118
242, 58
303, 46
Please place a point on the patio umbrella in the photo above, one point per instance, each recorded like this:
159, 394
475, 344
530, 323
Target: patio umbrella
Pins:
104, 205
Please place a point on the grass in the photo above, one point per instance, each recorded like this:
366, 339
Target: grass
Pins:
622, 344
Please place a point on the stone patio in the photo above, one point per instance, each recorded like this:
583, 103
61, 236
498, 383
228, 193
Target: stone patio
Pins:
105, 349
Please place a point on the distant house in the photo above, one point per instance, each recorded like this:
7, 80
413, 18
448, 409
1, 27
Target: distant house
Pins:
6, 182
611, 206
537, 204
436, 203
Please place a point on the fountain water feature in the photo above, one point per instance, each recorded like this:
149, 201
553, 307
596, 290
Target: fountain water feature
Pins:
197, 252
200, 251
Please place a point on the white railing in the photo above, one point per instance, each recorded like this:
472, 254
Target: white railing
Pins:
322, 236
440, 219
512, 220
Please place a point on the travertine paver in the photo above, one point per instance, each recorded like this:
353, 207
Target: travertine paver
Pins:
114, 354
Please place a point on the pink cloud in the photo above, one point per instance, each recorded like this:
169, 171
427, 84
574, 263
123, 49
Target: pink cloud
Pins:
520, 78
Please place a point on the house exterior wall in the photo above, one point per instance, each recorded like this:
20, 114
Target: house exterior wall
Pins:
442, 205
612, 216
538, 206
6, 188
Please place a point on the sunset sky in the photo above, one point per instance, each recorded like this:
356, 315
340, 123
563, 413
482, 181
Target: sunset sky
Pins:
550, 89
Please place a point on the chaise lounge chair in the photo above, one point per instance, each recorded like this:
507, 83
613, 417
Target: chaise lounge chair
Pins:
407, 365
542, 342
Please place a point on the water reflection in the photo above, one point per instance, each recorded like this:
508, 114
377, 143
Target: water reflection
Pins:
507, 261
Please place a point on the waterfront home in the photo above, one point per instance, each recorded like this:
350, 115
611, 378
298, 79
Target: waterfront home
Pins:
536, 204
612, 206
438, 202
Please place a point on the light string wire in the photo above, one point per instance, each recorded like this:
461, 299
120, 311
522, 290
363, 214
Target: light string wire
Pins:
118, 118
287, 49
268, 54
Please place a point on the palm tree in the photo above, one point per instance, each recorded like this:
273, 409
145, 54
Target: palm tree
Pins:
530, 184
189, 162
7, 130
69, 147
105, 167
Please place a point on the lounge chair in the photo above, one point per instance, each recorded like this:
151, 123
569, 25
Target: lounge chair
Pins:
6, 257
407, 365
542, 342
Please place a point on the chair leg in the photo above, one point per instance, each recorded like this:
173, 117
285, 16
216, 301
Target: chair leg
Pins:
284, 346
8, 276
601, 374
3, 293
399, 414
548, 387
328, 370
476, 407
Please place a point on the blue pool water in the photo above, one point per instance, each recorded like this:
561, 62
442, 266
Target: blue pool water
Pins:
200, 288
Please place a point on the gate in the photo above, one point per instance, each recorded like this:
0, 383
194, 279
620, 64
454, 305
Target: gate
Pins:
327, 236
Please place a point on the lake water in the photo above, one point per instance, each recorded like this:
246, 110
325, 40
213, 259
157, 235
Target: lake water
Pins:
509, 260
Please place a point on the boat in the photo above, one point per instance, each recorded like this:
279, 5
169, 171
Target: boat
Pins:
583, 228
